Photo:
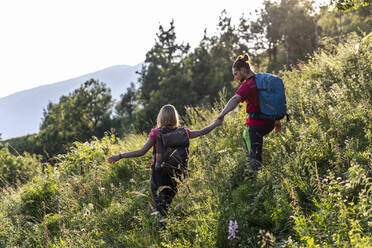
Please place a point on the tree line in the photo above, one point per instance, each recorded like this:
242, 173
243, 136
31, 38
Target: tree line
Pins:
285, 33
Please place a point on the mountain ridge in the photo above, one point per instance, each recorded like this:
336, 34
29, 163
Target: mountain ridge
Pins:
22, 111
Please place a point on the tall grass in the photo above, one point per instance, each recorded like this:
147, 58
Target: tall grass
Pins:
314, 189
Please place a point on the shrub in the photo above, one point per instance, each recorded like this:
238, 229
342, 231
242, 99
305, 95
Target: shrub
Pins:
16, 170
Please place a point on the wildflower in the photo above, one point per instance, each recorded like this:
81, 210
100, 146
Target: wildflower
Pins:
86, 212
233, 228
325, 180
339, 179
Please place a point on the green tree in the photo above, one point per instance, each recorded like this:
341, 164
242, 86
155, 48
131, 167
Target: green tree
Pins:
27, 143
173, 75
16, 170
164, 53
290, 31
160, 63
336, 24
210, 63
77, 117
125, 112
344, 5
126, 105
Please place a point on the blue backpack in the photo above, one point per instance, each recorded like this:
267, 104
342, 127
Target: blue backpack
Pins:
271, 95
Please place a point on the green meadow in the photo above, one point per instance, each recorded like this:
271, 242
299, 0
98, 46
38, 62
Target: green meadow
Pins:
314, 190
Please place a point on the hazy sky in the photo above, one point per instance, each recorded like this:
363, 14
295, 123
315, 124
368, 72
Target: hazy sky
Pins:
47, 41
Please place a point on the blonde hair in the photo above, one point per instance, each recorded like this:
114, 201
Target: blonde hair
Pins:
168, 116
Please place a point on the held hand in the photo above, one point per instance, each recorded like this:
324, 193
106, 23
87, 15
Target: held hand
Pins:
277, 126
113, 159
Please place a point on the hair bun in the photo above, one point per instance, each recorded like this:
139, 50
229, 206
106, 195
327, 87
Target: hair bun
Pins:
244, 58
242, 61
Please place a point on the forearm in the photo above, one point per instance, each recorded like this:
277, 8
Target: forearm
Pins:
231, 104
137, 153
132, 154
207, 129
197, 133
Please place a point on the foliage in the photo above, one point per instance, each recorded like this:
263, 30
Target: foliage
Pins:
314, 189
349, 4
127, 103
174, 75
79, 116
160, 75
16, 170
28, 143
290, 30
285, 33
336, 24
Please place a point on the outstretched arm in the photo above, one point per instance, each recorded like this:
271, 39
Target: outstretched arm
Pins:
231, 104
207, 129
137, 153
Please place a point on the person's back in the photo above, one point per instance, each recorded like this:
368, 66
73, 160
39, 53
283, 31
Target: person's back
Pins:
172, 149
167, 135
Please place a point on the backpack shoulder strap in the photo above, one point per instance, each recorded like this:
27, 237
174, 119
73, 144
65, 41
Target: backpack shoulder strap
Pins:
161, 150
177, 137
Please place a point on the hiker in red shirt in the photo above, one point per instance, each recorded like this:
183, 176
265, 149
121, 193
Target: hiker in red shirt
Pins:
255, 128
164, 180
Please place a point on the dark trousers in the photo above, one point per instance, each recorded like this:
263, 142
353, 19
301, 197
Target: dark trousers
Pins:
163, 188
253, 141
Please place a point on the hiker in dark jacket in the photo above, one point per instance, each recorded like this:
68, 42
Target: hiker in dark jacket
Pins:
255, 129
164, 180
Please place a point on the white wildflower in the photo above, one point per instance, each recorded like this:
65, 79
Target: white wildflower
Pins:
233, 228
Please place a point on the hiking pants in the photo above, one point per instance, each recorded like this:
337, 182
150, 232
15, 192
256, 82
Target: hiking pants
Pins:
163, 189
253, 140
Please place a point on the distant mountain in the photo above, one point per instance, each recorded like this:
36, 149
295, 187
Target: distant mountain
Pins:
21, 112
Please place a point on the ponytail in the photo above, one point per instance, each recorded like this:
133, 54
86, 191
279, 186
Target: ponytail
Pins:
242, 61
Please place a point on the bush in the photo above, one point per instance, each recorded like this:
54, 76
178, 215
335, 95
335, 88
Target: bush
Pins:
39, 198
16, 170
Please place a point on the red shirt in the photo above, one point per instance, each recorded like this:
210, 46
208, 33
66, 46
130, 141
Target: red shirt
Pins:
248, 92
152, 135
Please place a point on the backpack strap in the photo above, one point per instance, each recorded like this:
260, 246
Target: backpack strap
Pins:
254, 115
176, 138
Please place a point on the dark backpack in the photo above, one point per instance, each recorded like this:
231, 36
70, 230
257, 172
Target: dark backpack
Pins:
172, 150
271, 95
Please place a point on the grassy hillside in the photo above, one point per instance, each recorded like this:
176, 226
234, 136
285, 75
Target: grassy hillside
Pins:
313, 191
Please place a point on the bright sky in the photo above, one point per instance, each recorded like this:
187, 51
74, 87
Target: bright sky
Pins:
47, 41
